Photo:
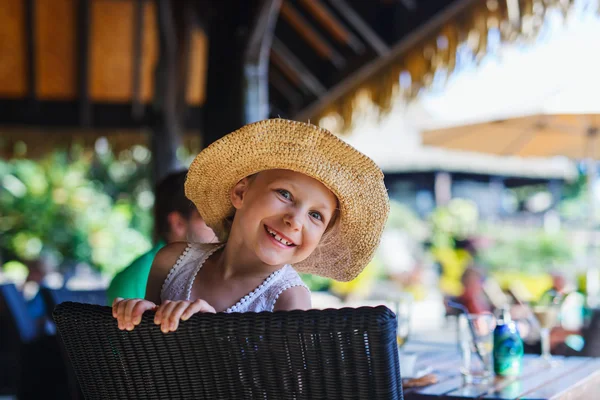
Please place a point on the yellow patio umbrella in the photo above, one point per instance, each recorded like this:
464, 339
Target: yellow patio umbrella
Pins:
569, 135
543, 135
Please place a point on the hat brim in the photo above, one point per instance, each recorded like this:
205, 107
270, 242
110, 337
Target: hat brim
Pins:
281, 144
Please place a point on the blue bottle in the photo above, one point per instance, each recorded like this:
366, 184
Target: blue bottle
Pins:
508, 346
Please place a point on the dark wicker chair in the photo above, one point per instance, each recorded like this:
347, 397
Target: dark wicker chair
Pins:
316, 354
54, 297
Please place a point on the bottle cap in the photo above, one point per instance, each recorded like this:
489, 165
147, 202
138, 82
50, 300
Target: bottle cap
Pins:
506, 313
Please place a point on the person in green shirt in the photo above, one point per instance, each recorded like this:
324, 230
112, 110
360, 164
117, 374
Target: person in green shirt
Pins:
176, 219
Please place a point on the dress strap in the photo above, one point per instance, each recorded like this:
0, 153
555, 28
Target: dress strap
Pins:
177, 285
199, 265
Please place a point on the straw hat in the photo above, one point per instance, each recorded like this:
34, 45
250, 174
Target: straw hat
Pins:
281, 144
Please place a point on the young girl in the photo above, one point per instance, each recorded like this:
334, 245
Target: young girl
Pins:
278, 194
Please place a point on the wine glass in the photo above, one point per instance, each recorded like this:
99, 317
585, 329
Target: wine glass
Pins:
547, 317
402, 306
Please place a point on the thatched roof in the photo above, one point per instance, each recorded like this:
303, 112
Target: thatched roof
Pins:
461, 34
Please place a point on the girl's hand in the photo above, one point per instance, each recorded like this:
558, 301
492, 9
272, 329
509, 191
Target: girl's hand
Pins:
129, 312
170, 312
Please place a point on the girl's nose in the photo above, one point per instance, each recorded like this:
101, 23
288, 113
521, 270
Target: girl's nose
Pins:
291, 219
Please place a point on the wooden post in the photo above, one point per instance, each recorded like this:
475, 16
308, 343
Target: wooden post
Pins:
442, 188
497, 187
166, 132
240, 36
84, 20
256, 61
31, 54
137, 108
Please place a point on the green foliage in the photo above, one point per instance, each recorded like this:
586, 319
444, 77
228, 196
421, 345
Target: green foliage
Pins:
403, 218
457, 220
77, 206
575, 205
316, 283
530, 251
575, 189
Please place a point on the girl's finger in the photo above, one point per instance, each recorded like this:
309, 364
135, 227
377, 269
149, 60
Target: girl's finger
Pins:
166, 314
207, 308
121, 307
115, 303
176, 315
196, 307
139, 309
159, 312
128, 311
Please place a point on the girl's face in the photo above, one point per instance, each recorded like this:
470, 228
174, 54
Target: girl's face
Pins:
281, 215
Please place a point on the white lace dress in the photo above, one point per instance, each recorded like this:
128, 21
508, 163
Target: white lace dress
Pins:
178, 285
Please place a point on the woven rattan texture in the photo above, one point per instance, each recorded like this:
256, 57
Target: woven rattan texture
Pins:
316, 354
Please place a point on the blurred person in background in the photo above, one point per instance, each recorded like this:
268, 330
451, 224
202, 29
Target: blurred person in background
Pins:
176, 219
473, 296
452, 263
41, 272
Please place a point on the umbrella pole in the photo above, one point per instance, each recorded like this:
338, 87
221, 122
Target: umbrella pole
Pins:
593, 272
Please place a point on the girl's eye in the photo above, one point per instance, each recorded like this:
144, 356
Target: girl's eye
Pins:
316, 215
284, 193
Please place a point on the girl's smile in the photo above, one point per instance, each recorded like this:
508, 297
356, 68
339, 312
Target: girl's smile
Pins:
278, 238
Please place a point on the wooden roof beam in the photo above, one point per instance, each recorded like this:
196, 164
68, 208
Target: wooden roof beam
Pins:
333, 25
306, 77
308, 33
290, 74
372, 68
361, 26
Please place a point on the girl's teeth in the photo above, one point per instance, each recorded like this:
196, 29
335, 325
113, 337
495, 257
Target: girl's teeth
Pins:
279, 238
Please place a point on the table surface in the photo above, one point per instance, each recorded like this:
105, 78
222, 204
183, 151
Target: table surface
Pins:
571, 378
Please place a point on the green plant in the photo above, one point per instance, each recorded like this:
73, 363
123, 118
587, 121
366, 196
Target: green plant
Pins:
530, 251
77, 206
456, 221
